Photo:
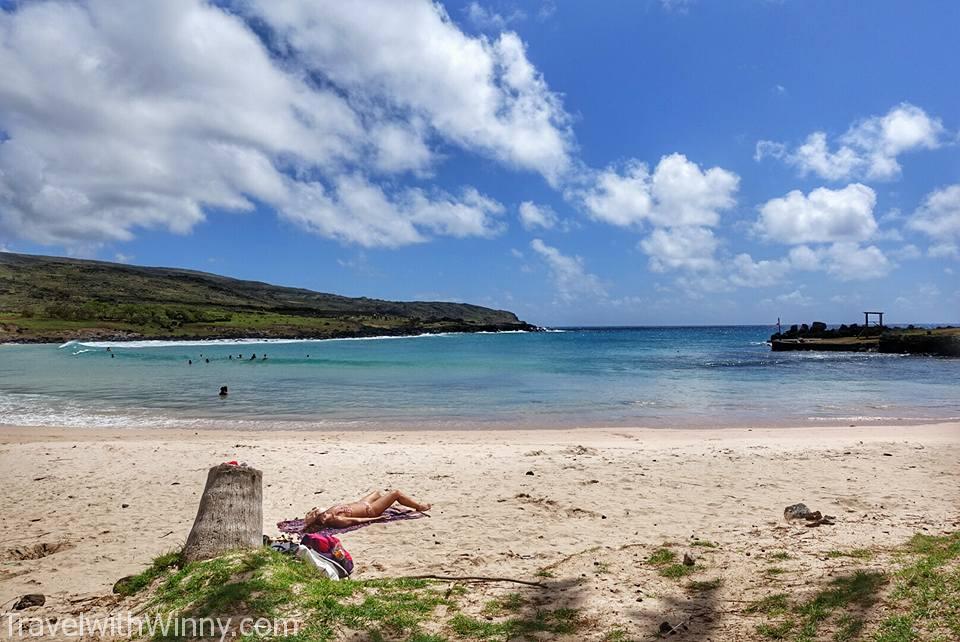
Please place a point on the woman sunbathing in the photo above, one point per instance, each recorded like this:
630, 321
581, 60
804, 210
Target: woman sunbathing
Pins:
368, 509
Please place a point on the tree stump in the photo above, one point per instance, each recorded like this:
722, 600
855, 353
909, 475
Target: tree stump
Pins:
230, 515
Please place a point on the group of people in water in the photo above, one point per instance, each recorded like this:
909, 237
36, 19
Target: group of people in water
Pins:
253, 357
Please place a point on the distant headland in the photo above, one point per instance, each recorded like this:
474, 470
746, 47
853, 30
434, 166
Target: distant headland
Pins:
942, 341
53, 299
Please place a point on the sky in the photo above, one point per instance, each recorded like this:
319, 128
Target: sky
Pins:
655, 162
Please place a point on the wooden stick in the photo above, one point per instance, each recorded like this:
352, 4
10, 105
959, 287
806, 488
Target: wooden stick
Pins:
469, 578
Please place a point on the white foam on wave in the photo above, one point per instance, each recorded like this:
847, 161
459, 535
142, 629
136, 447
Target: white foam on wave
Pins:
879, 418
156, 343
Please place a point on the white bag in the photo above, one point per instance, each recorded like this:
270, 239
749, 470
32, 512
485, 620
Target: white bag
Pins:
322, 564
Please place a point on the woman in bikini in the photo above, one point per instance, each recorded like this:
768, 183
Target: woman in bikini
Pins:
368, 509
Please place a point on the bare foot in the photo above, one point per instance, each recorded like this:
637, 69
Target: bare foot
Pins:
423, 508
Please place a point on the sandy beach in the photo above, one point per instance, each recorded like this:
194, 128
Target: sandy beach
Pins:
83, 508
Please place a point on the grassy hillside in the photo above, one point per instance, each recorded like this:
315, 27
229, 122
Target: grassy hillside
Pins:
58, 299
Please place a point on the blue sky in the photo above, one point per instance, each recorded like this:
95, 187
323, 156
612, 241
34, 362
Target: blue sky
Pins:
578, 163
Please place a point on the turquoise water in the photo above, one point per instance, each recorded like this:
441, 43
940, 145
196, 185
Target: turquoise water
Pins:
579, 377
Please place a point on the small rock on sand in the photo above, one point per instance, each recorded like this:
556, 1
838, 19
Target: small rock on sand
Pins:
29, 600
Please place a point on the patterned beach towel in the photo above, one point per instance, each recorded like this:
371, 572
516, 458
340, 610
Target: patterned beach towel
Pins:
297, 526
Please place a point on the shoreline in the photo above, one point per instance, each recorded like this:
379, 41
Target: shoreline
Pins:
294, 428
948, 429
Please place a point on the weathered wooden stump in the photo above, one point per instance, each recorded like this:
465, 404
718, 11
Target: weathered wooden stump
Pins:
230, 515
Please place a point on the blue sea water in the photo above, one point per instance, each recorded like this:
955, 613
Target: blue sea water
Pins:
702, 376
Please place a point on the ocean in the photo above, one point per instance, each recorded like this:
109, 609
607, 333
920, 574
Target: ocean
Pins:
648, 376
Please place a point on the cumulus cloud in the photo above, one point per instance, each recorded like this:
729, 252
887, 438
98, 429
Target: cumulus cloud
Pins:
686, 247
482, 94
570, 277
120, 116
868, 149
822, 216
677, 193
358, 211
939, 214
851, 262
533, 216
679, 199
745, 272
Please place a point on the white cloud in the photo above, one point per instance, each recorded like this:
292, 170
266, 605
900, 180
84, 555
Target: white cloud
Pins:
907, 252
745, 272
125, 116
939, 214
850, 262
804, 258
570, 277
794, 298
823, 216
768, 149
687, 247
361, 212
868, 149
533, 216
482, 94
944, 251
677, 193
489, 20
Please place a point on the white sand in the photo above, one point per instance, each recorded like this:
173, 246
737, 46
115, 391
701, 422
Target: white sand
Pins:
622, 489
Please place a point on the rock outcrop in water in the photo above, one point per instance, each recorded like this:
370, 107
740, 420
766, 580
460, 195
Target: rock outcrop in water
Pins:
943, 341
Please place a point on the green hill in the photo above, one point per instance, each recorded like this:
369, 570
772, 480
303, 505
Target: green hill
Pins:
53, 299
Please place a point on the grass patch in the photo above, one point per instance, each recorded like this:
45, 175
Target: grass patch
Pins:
802, 621
661, 556
780, 556
926, 592
774, 571
266, 584
849, 628
856, 553
703, 543
557, 622
510, 603
134, 584
704, 586
770, 605
676, 571
777, 631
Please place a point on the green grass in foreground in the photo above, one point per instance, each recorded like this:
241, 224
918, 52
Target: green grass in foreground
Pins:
926, 592
924, 601
266, 584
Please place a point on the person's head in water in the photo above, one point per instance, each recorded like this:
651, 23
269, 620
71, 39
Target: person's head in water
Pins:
223, 391
189, 362
207, 360
254, 356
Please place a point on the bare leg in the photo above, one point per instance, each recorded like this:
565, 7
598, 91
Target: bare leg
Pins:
385, 501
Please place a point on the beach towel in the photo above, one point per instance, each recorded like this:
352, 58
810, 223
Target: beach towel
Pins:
297, 526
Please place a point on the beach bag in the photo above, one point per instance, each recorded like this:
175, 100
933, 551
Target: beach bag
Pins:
322, 564
330, 548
